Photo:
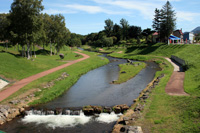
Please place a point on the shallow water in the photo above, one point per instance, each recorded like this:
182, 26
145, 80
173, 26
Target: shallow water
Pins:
93, 88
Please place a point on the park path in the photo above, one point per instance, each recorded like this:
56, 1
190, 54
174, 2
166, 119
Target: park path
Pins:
175, 86
19, 84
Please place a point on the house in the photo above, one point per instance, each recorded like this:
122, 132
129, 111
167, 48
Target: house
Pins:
155, 37
179, 34
188, 37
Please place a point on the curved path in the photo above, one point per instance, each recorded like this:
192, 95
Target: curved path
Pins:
18, 85
175, 86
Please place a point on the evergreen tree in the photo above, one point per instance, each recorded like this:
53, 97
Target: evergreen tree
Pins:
168, 21
157, 21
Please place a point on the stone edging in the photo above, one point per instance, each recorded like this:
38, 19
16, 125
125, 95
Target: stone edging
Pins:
133, 113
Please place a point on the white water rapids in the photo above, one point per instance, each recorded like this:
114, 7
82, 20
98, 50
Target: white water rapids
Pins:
63, 121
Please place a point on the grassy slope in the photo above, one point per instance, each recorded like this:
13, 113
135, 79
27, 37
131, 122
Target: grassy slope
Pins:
130, 71
13, 66
75, 71
165, 113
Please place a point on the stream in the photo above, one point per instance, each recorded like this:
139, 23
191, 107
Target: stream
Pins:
93, 88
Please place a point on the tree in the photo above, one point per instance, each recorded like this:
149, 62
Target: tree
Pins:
134, 32
168, 21
117, 32
4, 25
25, 22
157, 21
108, 27
124, 26
146, 33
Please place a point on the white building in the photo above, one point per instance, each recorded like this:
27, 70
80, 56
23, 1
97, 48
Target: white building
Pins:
188, 37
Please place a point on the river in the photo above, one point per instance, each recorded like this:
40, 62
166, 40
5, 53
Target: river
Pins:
93, 88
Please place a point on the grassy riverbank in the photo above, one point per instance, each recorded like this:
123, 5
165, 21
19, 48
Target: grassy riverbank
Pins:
128, 71
14, 67
59, 87
164, 113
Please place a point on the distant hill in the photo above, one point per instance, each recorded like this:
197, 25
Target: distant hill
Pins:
196, 30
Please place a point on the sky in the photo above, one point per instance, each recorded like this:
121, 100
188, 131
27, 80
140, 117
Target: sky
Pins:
88, 16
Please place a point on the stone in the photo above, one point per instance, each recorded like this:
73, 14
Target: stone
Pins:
88, 110
4, 111
134, 129
61, 56
123, 72
58, 111
66, 112
107, 110
97, 109
124, 107
50, 112
76, 112
14, 102
117, 109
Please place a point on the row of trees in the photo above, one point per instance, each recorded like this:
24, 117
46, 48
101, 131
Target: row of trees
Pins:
164, 21
117, 33
25, 25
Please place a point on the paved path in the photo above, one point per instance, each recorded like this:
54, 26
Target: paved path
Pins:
175, 86
18, 85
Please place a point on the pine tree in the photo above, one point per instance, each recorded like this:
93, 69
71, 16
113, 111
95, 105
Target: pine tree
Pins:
157, 21
168, 21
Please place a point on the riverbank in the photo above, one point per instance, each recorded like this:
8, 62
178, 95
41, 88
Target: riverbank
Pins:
164, 113
49, 87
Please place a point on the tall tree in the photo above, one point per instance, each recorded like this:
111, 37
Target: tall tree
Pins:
157, 21
117, 32
168, 21
125, 26
25, 21
4, 27
108, 27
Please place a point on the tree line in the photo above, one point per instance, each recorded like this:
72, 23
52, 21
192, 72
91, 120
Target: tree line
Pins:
25, 25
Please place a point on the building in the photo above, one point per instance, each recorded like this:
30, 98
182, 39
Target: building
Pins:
179, 34
188, 37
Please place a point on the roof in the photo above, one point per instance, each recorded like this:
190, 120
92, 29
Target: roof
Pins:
174, 37
155, 34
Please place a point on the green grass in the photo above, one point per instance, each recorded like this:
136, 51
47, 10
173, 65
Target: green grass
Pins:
164, 113
128, 71
14, 67
74, 71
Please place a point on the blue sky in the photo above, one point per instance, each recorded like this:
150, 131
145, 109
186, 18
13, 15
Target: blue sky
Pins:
87, 16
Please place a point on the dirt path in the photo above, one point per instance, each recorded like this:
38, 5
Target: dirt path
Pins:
18, 85
175, 86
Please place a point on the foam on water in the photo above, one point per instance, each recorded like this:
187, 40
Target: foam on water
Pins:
108, 118
57, 120
63, 121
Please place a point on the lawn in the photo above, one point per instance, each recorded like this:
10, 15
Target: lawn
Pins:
128, 71
14, 67
164, 113
74, 71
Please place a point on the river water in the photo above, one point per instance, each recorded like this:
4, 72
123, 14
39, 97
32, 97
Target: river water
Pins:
93, 88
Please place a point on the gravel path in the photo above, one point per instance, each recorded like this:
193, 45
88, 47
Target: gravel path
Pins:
18, 85
175, 85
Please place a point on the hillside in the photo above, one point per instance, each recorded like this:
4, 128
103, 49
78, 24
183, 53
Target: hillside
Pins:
196, 30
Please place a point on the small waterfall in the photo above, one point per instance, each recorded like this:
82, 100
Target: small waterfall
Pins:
66, 118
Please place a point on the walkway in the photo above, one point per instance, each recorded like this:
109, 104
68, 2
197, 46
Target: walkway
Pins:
175, 86
18, 85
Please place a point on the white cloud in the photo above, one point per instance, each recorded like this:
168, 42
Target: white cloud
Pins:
187, 16
145, 8
55, 11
